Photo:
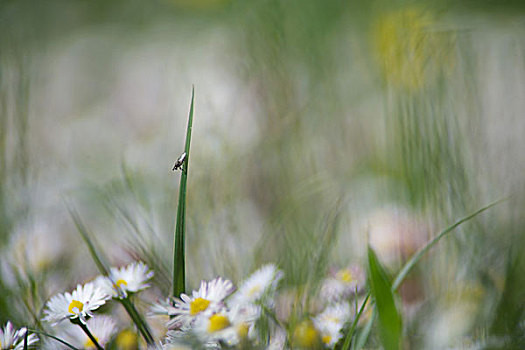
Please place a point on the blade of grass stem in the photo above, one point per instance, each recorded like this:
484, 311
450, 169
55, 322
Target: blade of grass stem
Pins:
363, 336
417, 256
53, 337
179, 268
390, 322
97, 256
405, 270
99, 260
351, 331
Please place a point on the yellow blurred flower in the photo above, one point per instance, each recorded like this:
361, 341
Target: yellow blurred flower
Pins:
411, 52
305, 336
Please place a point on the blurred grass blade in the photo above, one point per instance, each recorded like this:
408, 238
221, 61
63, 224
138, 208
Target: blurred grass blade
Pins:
351, 331
405, 270
390, 324
416, 257
99, 260
363, 336
102, 265
179, 268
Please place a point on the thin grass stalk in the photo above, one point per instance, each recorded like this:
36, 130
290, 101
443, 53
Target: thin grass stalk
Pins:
96, 255
351, 332
100, 261
53, 337
179, 268
409, 265
416, 257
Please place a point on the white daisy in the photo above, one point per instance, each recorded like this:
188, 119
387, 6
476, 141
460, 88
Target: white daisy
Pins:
14, 339
101, 327
331, 321
342, 284
129, 279
207, 299
229, 327
261, 284
76, 305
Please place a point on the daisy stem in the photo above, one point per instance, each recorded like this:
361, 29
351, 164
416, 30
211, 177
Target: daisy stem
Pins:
138, 320
25, 339
179, 277
90, 336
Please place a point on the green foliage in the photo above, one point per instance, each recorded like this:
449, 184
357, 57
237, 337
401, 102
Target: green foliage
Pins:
390, 323
179, 262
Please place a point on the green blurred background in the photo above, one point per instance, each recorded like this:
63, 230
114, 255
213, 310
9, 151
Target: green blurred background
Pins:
319, 126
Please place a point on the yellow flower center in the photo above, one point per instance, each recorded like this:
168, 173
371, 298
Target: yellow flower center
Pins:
198, 305
121, 282
127, 340
89, 343
345, 276
254, 290
326, 339
75, 307
305, 335
242, 330
218, 322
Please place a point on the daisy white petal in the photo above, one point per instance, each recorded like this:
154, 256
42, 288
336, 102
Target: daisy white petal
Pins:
101, 327
78, 304
129, 279
331, 321
228, 327
261, 284
342, 284
207, 299
14, 339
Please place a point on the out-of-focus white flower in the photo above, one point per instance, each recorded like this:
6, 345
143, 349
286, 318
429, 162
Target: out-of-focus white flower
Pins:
228, 327
30, 248
101, 327
208, 299
395, 234
129, 279
175, 346
260, 285
342, 284
331, 321
76, 305
278, 339
14, 339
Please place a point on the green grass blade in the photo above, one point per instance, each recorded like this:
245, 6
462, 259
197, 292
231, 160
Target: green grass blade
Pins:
179, 269
363, 336
416, 257
390, 323
99, 260
102, 265
405, 270
351, 331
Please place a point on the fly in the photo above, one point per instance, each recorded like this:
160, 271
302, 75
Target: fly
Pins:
179, 162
